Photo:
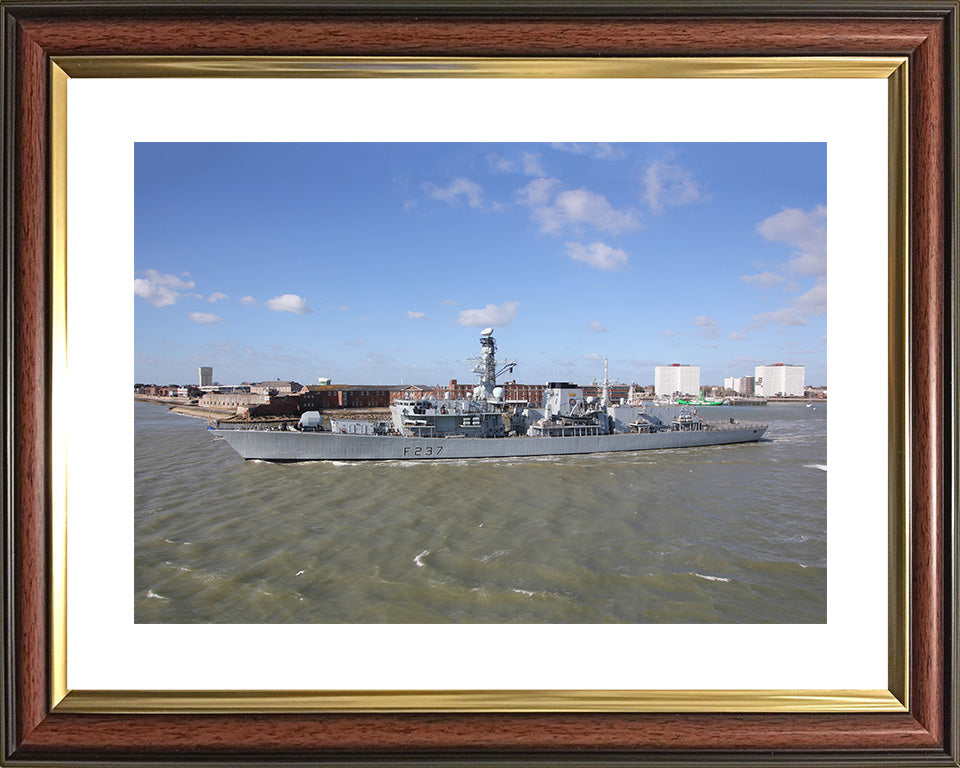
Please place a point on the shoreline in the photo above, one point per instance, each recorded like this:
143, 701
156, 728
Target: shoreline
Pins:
229, 415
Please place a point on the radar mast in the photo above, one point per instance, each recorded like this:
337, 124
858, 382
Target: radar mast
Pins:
486, 366
605, 394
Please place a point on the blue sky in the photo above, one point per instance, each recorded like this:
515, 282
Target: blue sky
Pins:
380, 263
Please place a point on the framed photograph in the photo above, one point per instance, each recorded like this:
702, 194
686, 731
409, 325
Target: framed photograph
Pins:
536, 171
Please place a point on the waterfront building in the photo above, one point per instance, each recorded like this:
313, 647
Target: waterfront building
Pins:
206, 375
322, 396
456, 390
522, 393
231, 399
275, 387
742, 385
676, 379
618, 392
415, 392
779, 380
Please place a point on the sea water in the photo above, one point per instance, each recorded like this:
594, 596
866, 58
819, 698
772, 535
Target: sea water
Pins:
722, 534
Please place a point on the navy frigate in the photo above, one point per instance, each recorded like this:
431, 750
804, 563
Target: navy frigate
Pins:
486, 426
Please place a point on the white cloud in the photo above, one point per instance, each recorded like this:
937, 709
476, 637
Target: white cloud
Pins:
217, 296
289, 302
531, 164
810, 304
707, 326
575, 149
814, 301
665, 184
247, 300
457, 191
764, 279
538, 192
492, 314
354, 342
416, 315
592, 356
499, 163
787, 316
205, 318
599, 256
160, 289
379, 360
449, 302
606, 151
601, 150
597, 327
738, 336
578, 207
804, 230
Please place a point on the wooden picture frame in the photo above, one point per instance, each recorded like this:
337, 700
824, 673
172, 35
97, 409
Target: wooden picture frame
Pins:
35, 34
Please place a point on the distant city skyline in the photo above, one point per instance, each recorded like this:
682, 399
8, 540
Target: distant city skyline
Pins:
381, 263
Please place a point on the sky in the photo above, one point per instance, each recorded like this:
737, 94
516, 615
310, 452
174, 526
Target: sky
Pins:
380, 263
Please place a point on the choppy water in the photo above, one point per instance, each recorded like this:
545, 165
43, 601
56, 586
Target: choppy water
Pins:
726, 534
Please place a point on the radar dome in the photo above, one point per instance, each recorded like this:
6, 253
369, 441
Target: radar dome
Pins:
498, 393
590, 399
486, 331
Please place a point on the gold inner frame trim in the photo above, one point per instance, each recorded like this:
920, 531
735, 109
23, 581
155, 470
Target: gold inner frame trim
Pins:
893, 69
233, 702
898, 383
427, 66
58, 364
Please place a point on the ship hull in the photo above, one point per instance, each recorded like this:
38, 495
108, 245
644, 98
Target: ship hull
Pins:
268, 445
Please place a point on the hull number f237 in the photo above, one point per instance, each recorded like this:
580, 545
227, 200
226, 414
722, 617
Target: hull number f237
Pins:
422, 450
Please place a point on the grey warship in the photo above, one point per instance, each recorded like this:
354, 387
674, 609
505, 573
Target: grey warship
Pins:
484, 426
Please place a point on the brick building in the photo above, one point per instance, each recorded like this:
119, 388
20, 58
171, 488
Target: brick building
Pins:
455, 390
326, 396
618, 392
416, 392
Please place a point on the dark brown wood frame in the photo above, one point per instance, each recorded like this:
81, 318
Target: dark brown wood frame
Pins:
926, 32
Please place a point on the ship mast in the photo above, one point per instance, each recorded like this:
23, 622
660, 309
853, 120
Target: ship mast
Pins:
486, 366
605, 393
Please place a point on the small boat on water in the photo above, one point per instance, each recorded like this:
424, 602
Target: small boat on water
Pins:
484, 426
702, 401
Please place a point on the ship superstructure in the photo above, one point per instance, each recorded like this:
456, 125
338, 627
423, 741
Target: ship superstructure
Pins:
566, 422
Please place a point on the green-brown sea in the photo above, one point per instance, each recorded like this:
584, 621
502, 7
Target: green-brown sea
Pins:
724, 534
